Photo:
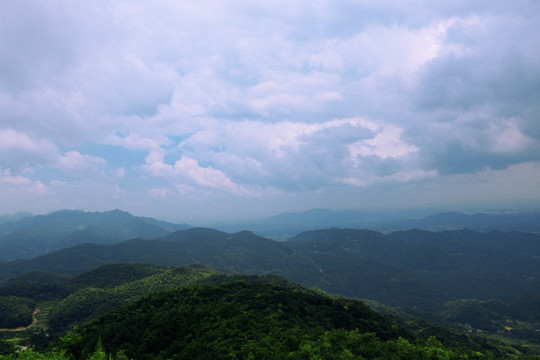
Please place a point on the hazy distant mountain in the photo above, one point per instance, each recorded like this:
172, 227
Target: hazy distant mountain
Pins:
410, 269
524, 222
36, 235
15, 217
287, 225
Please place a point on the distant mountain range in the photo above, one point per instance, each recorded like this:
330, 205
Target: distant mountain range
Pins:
24, 236
27, 236
287, 225
15, 217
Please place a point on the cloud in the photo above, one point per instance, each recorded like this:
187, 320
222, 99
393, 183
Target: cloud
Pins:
135, 142
293, 155
81, 165
227, 101
477, 100
18, 151
188, 170
19, 188
386, 144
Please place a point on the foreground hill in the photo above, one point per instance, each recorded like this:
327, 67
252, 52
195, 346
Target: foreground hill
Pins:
99, 295
30, 236
200, 313
260, 321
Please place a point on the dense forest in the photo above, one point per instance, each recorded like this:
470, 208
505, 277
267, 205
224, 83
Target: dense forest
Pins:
143, 311
15, 311
449, 294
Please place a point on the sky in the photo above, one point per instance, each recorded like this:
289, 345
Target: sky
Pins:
205, 110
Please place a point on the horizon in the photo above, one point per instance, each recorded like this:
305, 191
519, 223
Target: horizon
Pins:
411, 214
211, 112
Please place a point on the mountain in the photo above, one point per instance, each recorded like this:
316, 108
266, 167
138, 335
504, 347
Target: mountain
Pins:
473, 281
131, 281
32, 236
15, 217
457, 264
524, 222
228, 252
253, 320
518, 318
143, 311
287, 225
412, 269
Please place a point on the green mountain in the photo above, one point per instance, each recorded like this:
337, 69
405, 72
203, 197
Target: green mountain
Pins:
98, 292
243, 320
36, 235
144, 311
458, 264
414, 269
423, 274
15, 311
517, 318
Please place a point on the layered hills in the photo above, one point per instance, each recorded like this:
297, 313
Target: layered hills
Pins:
415, 269
476, 282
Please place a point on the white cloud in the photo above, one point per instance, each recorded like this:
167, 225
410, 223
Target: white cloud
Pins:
287, 92
78, 164
386, 144
188, 170
206, 176
15, 184
265, 98
506, 137
383, 49
135, 142
11, 139
292, 154
19, 151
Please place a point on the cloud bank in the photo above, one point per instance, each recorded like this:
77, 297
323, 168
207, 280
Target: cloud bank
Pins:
212, 109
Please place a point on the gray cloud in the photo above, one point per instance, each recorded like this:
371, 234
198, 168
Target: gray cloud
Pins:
478, 101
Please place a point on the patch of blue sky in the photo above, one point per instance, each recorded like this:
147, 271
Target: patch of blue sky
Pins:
48, 175
116, 156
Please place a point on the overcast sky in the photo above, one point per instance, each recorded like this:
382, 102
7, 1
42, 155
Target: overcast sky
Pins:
199, 110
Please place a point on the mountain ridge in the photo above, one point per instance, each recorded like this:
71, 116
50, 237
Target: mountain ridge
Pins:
419, 266
286, 225
40, 234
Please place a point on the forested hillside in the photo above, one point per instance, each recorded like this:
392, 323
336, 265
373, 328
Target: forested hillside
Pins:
258, 321
201, 313
96, 297
475, 282
415, 269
